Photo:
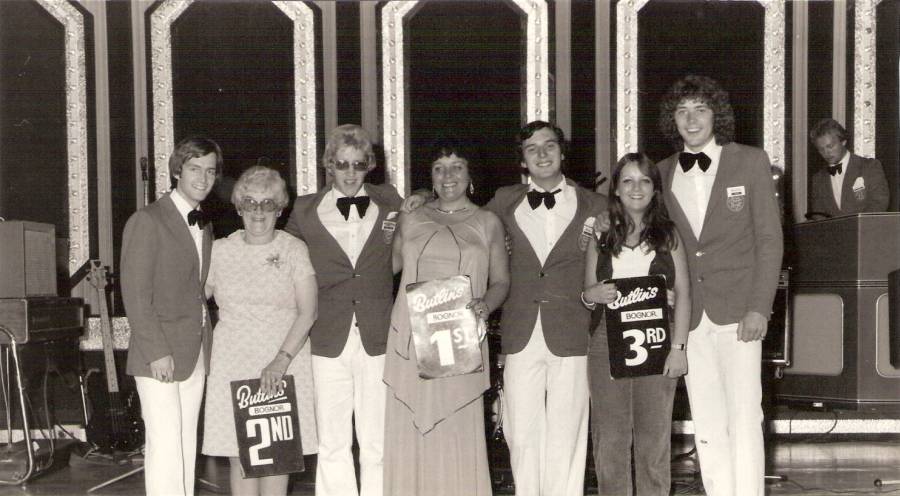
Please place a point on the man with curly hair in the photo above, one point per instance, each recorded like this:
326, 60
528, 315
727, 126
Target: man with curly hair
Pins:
721, 196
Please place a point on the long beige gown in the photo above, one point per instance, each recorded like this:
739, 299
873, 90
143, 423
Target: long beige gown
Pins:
434, 440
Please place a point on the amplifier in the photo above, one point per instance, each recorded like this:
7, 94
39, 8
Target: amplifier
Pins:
776, 347
894, 317
41, 319
27, 259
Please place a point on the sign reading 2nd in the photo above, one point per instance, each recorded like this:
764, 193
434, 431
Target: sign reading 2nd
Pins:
269, 430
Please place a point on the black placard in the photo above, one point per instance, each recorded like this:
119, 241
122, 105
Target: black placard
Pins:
268, 428
637, 326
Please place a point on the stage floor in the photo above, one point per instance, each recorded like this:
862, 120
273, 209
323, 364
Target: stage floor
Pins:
809, 465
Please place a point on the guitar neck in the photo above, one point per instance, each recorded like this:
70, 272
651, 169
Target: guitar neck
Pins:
109, 360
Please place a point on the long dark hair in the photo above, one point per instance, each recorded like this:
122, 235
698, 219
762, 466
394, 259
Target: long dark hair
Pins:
659, 231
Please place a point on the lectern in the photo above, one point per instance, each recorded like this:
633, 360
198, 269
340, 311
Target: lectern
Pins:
841, 337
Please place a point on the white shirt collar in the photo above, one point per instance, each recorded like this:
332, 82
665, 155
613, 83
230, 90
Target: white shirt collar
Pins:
562, 185
184, 208
335, 193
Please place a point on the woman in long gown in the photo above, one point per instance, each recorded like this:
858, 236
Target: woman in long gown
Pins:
434, 428
265, 287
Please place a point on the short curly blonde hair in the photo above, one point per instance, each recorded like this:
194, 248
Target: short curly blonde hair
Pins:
261, 178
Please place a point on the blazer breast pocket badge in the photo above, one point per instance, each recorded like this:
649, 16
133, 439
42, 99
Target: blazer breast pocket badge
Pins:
388, 226
587, 232
859, 188
736, 198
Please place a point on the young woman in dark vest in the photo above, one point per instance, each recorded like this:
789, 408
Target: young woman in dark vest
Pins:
635, 412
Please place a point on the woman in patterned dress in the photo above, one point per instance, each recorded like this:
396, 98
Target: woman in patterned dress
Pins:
434, 441
265, 288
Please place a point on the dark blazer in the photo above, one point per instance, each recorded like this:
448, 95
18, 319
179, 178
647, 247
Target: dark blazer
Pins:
873, 198
735, 264
162, 287
366, 289
554, 288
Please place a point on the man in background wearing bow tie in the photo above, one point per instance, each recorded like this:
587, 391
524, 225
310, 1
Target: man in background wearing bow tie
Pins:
721, 196
850, 184
165, 259
348, 227
544, 327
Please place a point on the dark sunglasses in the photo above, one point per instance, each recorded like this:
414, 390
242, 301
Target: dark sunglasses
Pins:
358, 166
250, 205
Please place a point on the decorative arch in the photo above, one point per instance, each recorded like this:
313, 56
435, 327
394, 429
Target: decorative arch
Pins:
773, 78
864, 98
393, 17
76, 131
304, 90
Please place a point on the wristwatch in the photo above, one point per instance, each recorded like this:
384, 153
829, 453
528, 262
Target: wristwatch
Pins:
681, 347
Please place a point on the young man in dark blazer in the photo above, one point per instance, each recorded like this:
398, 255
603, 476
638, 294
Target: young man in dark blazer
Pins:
549, 222
348, 227
849, 184
721, 196
165, 259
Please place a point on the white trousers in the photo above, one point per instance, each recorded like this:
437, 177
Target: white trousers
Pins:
725, 392
170, 411
347, 385
546, 419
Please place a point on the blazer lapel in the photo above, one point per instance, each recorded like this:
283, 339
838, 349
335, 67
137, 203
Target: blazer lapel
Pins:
175, 223
207, 250
676, 213
581, 205
375, 233
514, 226
850, 175
717, 195
317, 221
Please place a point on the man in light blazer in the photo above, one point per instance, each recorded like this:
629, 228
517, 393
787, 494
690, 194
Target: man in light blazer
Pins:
348, 227
721, 196
849, 184
544, 326
165, 259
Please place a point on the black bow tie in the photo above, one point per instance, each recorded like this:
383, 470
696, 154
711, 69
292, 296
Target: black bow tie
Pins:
687, 160
361, 202
197, 217
835, 169
535, 198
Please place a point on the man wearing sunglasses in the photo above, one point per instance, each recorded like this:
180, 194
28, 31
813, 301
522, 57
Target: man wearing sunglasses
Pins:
348, 227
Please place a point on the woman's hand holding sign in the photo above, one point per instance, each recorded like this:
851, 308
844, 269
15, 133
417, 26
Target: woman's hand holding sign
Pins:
482, 311
270, 379
603, 293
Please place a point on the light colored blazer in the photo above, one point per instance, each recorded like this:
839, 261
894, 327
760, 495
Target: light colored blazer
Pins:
873, 197
162, 287
735, 264
555, 287
365, 289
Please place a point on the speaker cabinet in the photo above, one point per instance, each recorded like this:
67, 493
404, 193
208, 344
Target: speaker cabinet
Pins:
843, 354
894, 318
27, 259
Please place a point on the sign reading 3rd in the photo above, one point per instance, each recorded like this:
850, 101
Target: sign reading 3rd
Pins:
640, 340
637, 326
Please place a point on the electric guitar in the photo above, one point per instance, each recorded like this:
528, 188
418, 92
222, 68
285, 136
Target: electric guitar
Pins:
115, 423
